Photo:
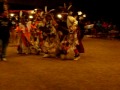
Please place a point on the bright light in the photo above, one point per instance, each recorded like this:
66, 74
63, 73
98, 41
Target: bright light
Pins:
32, 12
59, 16
84, 15
12, 14
30, 16
35, 9
79, 13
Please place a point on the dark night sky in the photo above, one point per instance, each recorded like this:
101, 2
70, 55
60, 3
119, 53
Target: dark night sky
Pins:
93, 8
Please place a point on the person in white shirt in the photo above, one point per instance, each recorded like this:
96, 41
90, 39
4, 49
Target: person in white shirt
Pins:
71, 22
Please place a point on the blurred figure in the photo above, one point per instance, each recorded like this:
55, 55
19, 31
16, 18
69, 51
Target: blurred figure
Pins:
71, 22
50, 46
5, 26
81, 28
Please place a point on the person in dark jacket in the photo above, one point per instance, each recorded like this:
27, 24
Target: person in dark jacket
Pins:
81, 25
5, 26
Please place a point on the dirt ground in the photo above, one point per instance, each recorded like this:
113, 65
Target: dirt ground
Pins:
97, 69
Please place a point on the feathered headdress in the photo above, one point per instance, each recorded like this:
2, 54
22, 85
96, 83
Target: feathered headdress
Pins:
64, 8
48, 12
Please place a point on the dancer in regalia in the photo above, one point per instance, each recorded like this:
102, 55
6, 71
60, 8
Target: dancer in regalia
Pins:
50, 46
24, 40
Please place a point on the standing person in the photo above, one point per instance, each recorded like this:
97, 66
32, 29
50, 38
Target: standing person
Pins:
5, 25
81, 28
80, 34
72, 25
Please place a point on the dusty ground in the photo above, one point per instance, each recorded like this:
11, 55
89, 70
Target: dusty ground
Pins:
97, 69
